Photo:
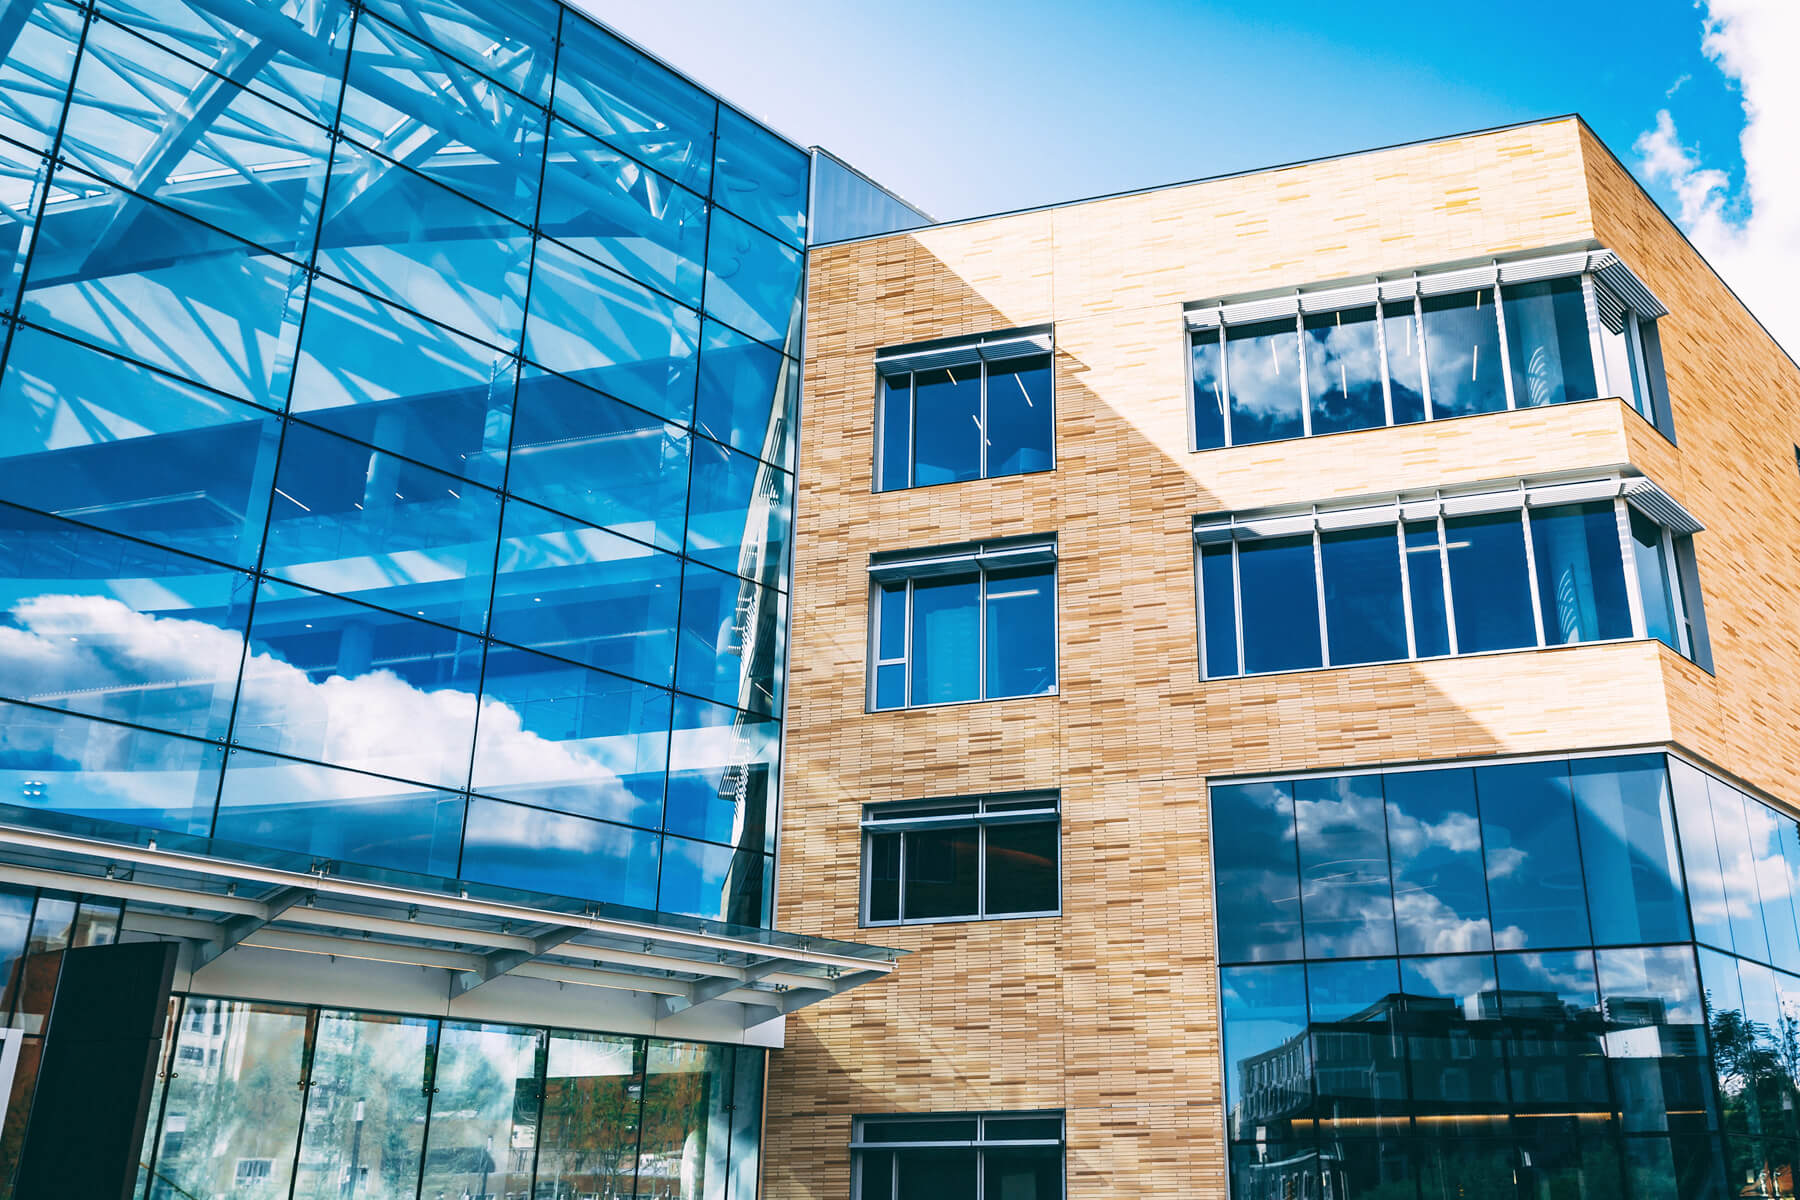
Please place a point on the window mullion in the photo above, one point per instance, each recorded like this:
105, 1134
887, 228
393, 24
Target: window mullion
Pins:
1319, 595
900, 892
1505, 357
912, 428
1634, 591
1237, 608
981, 635
1225, 378
1381, 356
981, 863
1443, 554
981, 426
1305, 391
906, 640
1412, 641
1420, 343
1531, 575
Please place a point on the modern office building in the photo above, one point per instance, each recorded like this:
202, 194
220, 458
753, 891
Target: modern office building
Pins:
1307, 660
1303, 662
396, 454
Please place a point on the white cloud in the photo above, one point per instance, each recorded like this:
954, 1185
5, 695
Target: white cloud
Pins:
1752, 239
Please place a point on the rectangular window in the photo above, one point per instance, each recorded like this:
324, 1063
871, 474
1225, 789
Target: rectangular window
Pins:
1552, 331
970, 623
1528, 566
1000, 1156
970, 410
961, 860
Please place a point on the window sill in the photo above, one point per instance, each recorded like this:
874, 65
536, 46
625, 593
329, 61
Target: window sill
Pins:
1056, 691
930, 921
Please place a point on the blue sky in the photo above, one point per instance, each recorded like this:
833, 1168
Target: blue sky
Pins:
970, 108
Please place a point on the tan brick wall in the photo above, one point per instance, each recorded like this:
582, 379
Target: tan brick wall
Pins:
1110, 1012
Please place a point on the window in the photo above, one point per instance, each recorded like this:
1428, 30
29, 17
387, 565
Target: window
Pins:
1000, 1156
1509, 335
1466, 573
961, 860
253, 1172
964, 410
966, 623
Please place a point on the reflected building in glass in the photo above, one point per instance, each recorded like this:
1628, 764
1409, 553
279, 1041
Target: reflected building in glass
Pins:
397, 437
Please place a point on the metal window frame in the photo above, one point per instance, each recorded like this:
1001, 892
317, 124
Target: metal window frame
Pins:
974, 347
860, 1146
975, 814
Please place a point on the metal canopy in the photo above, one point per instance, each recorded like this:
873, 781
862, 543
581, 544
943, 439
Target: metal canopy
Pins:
222, 905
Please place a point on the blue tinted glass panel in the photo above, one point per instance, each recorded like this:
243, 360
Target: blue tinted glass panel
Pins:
105, 440
753, 282
1489, 585
1405, 368
1656, 1039
1547, 337
715, 882
1628, 851
1209, 391
1263, 366
638, 105
357, 522
1434, 840
1654, 582
1425, 586
23, 177
1738, 866
1462, 347
1279, 604
66, 764
1257, 870
1555, 1043
241, 162
946, 640
293, 53
890, 637
894, 469
1768, 1039
1359, 1063
511, 40
760, 177
609, 333
562, 737
1346, 899
35, 70
377, 373
580, 593
731, 636
1456, 1067
425, 110
565, 855
1021, 632
1218, 594
1019, 416
1774, 883
749, 395
335, 814
1343, 371
1580, 573
1268, 1064
1365, 616
600, 460
1533, 872
146, 282
612, 208
738, 514
408, 240
336, 682
722, 775
101, 625
1734, 1043
946, 425
1700, 855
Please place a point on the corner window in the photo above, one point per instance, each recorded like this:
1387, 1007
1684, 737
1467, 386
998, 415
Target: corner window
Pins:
973, 859
993, 1156
1546, 565
1511, 335
970, 409
966, 623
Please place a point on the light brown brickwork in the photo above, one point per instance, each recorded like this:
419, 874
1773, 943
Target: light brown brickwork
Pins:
1110, 1012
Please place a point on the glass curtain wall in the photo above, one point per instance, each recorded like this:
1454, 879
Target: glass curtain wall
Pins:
296, 1103
1565, 977
1416, 357
396, 427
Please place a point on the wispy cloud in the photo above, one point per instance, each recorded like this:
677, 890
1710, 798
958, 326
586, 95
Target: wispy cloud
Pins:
1752, 236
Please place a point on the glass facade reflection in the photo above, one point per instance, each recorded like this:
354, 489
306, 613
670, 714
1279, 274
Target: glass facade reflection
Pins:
1562, 977
396, 427
394, 1108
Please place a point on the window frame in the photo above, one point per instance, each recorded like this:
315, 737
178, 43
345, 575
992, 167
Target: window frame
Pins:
948, 563
908, 362
960, 812
860, 1145
1644, 393
1524, 497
